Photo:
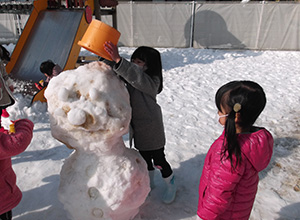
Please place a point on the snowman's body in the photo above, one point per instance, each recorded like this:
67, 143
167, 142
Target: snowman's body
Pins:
90, 111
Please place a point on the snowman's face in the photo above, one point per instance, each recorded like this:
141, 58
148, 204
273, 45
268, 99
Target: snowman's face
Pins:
87, 105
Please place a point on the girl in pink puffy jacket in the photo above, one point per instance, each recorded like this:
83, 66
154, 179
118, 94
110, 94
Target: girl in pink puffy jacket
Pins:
11, 144
229, 179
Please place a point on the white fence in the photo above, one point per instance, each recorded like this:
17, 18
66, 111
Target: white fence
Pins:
234, 25
218, 25
11, 26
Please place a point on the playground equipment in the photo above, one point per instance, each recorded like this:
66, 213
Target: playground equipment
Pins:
52, 32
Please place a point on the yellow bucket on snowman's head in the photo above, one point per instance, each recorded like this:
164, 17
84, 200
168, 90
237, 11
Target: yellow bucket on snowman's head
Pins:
96, 35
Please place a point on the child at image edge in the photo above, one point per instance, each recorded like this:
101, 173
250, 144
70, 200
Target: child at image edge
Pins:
5, 80
143, 76
11, 144
229, 179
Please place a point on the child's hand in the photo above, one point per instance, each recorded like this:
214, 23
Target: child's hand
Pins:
12, 129
112, 50
41, 82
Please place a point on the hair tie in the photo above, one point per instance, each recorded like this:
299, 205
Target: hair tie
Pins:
237, 107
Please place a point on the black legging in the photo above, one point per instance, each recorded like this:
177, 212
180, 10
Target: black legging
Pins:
6, 216
159, 159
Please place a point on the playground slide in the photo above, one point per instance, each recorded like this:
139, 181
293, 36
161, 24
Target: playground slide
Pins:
48, 34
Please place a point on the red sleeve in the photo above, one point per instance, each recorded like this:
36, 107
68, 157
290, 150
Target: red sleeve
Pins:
14, 144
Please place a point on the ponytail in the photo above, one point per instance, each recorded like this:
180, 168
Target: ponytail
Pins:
246, 98
231, 146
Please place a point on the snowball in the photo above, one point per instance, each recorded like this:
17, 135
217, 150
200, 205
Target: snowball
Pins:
59, 112
76, 117
63, 94
94, 94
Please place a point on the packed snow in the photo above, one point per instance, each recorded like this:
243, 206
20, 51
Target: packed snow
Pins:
191, 79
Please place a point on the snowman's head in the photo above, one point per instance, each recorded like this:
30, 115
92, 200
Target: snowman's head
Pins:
88, 105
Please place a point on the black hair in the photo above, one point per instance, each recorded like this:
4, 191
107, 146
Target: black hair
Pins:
152, 60
252, 100
47, 67
4, 54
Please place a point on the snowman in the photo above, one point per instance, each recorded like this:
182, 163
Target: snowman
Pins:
90, 112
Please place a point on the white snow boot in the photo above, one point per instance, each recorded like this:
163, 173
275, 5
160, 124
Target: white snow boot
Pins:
171, 189
151, 176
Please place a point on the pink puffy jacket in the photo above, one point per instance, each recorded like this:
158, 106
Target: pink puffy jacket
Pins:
229, 194
11, 145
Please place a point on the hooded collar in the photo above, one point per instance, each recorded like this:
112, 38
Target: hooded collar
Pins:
257, 147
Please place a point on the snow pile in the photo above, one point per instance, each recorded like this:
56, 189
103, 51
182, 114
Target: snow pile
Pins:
90, 111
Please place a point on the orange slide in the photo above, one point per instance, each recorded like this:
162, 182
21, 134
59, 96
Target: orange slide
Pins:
50, 33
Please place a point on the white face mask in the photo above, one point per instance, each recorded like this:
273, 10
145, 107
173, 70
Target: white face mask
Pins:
219, 117
222, 116
140, 63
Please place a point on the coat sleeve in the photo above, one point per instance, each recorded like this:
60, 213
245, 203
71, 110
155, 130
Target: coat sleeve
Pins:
135, 76
14, 144
221, 184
